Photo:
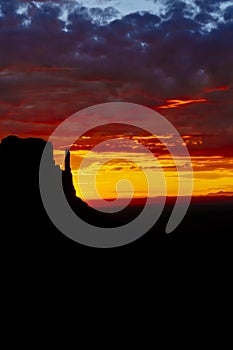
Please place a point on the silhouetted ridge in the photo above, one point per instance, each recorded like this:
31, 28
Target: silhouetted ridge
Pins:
20, 194
25, 223
19, 183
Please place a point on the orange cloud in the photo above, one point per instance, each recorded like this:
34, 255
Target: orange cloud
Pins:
176, 103
218, 88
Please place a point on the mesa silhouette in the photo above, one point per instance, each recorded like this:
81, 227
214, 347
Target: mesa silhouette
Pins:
22, 208
25, 222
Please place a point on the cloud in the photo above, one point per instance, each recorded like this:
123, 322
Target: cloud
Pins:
180, 103
58, 57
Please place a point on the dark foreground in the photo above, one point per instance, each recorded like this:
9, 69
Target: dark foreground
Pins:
25, 225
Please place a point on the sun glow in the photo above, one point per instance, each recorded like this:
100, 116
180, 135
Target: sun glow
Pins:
211, 175
213, 172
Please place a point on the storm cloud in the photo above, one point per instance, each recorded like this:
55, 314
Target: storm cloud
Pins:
59, 56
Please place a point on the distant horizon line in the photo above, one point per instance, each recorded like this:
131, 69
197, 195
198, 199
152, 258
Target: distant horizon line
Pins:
211, 194
102, 203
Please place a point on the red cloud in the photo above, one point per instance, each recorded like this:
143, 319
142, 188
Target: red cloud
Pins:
218, 88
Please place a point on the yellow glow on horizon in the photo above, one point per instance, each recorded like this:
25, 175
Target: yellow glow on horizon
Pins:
211, 174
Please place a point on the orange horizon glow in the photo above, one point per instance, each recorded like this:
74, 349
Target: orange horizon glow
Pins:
212, 175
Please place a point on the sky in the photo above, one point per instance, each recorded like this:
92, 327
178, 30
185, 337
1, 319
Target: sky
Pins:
175, 57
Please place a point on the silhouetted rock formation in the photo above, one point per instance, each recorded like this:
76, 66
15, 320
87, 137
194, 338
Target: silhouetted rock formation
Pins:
67, 177
25, 223
76, 203
22, 208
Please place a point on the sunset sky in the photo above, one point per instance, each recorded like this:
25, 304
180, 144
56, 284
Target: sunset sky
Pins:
176, 57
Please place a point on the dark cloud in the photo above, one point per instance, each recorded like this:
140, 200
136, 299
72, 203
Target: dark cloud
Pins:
209, 5
51, 67
228, 15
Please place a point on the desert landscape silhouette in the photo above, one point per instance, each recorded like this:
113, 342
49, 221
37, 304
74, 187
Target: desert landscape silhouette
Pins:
25, 222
